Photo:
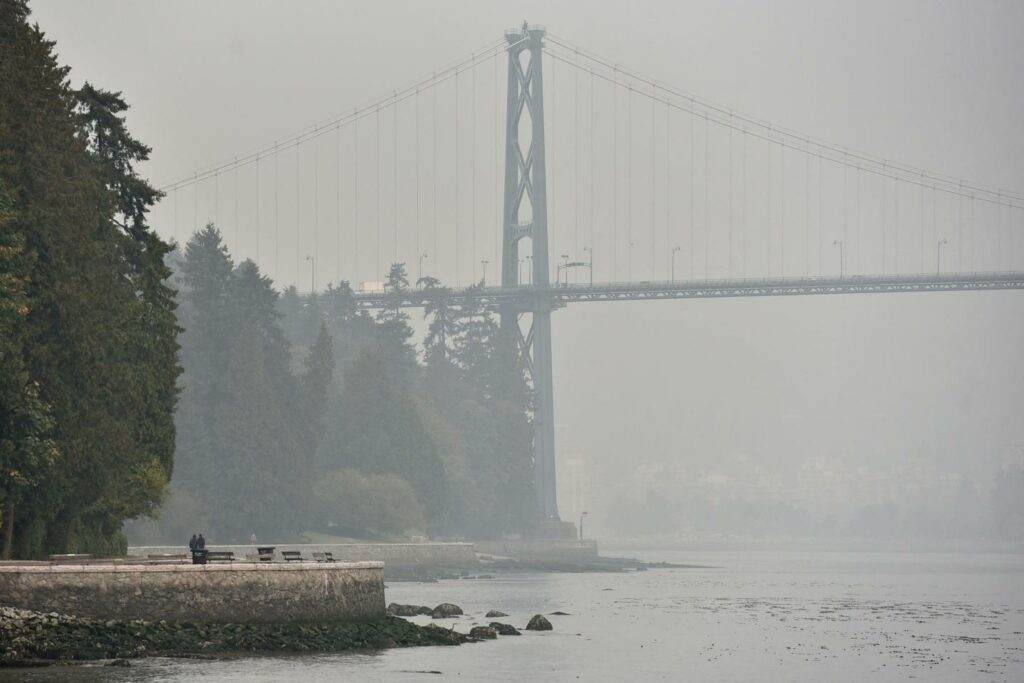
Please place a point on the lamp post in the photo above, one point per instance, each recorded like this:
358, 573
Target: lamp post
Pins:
312, 279
839, 243
674, 251
419, 268
484, 263
519, 272
629, 261
590, 264
529, 268
938, 255
582, 515
561, 267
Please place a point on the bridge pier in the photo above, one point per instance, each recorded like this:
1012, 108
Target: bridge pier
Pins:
526, 179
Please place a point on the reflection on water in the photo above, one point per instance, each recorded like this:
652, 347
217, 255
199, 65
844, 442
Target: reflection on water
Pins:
755, 616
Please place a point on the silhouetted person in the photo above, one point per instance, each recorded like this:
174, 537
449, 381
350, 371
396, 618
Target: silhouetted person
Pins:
193, 542
201, 542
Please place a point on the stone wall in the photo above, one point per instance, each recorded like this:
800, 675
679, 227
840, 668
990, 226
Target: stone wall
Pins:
238, 593
542, 550
393, 554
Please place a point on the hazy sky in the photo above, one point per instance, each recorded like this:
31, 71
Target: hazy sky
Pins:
709, 385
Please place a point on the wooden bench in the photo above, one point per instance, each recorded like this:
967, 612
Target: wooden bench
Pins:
324, 557
291, 555
220, 556
168, 558
70, 557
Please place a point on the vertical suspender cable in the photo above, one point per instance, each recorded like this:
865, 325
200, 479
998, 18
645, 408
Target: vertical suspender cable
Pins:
654, 237
337, 201
472, 167
960, 227
807, 208
496, 235
298, 256
195, 203
176, 239
896, 224
316, 200
590, 164
277, 214
234, 184
576, 159
629, 181
922, 221
433, 173
707, 212
730, 194
821, 211
394, 170
858, 221
419, 251
782, 209
457, 282
693, 189
884, 216
615, 175
771, 148
216, 199
376, 256
355, 200
257, 208
668, 182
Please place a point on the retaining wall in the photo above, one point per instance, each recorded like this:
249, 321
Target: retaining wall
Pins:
238, 593
393, 554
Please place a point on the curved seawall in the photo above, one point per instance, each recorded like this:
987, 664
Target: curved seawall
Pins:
237, 593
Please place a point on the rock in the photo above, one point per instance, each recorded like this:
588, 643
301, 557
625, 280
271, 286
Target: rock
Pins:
494, 614
559, 614
397, 610
483, 633
505, 629
539, 623
446, 610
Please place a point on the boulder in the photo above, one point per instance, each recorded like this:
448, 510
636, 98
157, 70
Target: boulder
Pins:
505, 629
559, 614
494, 614
397, 610
483, 633
539, 623
446, 610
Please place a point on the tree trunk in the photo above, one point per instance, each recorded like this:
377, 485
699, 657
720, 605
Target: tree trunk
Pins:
8, 531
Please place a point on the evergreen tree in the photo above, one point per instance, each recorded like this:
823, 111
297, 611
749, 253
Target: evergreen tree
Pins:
100, 333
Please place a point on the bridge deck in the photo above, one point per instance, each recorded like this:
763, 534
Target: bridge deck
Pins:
530, 298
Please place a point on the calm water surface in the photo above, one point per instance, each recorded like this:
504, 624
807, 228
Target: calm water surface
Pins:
756, 616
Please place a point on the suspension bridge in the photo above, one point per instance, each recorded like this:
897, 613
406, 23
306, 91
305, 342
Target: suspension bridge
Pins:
606, 185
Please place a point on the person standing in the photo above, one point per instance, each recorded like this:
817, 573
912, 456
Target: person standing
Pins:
192, 543
201, 543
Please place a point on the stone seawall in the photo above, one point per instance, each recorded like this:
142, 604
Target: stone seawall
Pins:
393, 554
542, 550
216, 593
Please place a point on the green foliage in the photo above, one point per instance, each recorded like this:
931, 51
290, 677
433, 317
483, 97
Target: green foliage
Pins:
97, 345
381, 506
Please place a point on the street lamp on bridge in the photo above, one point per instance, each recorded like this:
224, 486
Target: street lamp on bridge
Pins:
629, 261
590, 264
484, 263
938, 255
561, 267
674, 251
839, 243
419, 268
529, 268
312, 278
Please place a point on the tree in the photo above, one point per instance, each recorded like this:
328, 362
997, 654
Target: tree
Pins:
100, 334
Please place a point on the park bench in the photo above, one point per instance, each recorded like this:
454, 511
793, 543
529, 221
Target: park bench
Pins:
265, 553
220, 556
69, 557
291, 555
324, 557
167, 558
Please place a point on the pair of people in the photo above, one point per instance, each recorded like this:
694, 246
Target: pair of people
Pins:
197, 542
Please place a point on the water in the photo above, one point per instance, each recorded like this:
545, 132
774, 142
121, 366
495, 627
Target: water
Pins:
754, 616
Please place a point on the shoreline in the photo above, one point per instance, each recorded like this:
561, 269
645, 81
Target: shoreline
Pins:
34, 639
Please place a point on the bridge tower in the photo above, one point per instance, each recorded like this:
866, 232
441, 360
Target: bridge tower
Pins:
526, 216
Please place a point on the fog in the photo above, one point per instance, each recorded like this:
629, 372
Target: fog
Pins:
839, 416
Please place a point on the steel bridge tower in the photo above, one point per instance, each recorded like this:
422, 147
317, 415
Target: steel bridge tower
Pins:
526, 215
